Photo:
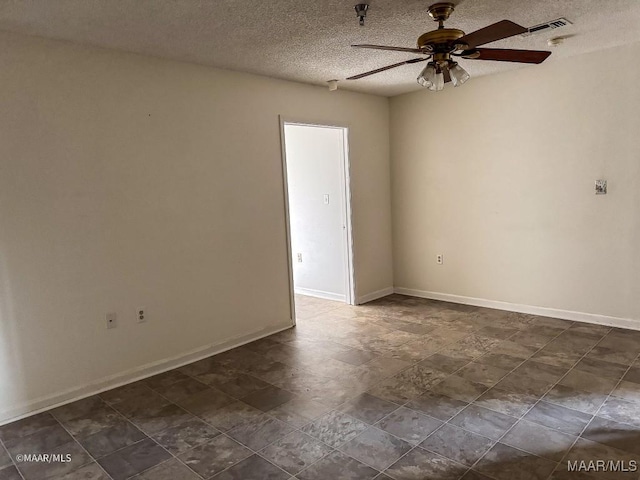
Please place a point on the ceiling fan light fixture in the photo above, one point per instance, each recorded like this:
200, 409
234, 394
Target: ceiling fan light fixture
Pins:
458, 74
438, 82
427, 76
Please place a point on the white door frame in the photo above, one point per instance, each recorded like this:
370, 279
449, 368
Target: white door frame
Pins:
345, 179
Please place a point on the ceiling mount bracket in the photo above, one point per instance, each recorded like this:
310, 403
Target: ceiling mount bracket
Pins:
361, 12
440, 12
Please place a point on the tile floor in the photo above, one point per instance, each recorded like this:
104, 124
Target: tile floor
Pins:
400, 388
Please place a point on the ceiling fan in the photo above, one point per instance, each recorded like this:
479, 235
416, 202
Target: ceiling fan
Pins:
442, 44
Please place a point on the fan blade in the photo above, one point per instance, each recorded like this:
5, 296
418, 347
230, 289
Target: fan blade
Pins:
393, 49
507, 55
497, 31
388, 67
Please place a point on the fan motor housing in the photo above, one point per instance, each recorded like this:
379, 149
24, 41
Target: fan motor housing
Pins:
443, 39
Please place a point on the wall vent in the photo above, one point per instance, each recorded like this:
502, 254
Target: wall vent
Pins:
543, 27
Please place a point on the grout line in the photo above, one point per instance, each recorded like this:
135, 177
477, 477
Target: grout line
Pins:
13, 464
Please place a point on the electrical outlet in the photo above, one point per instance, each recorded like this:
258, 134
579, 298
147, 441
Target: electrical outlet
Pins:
141, 314
439, 259
111, 320
299, 258
326, 198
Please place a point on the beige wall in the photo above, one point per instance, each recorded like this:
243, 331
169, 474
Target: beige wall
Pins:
130, 181
498, 176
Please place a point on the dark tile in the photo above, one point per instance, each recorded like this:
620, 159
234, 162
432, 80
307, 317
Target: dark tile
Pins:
633, 375
111, 439
507, 463
182, 389
557, 417
241, 385
541, 371
28, 426
368, 408
445, 363
409, 425
539, 440
530, 339
170, 470
295, 452
92, 471
580, 380
560, 358
182, 437
133, 459
338, 466
81, 409
501, 360
299, 411
510, 403
416, 328
157, 419
621, 411
627, 391
483, 373
500, 333
457, 444
596, 366
10, 473
483, 421
38, 470
205, 402
101, 417
126, 392
420, 464
5, 459
459, 388
514, 349
259, 433
396, 390
252, 468
587, 402
421, 377
354, 356
213, 457
231, 415
42, 441
437, 406
521, 383
612, 355
471, 475
376, 448
617, 435
140, 404
165, 379
335, 428
268, 398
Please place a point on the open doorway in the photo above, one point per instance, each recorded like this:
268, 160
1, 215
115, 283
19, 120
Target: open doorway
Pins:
317, 190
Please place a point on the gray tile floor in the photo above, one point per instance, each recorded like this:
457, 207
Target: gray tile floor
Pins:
400, 388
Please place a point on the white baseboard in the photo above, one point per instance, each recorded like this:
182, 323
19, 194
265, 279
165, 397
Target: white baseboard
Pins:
78, 393
370, 297
530, 309
320, 294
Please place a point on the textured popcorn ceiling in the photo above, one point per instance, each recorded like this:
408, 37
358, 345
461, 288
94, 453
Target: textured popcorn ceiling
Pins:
309, 41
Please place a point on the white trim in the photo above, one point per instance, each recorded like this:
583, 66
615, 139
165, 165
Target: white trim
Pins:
370, 297
320, 294
530, 309
107, 383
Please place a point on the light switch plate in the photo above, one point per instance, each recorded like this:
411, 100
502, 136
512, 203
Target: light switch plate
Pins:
601, 187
